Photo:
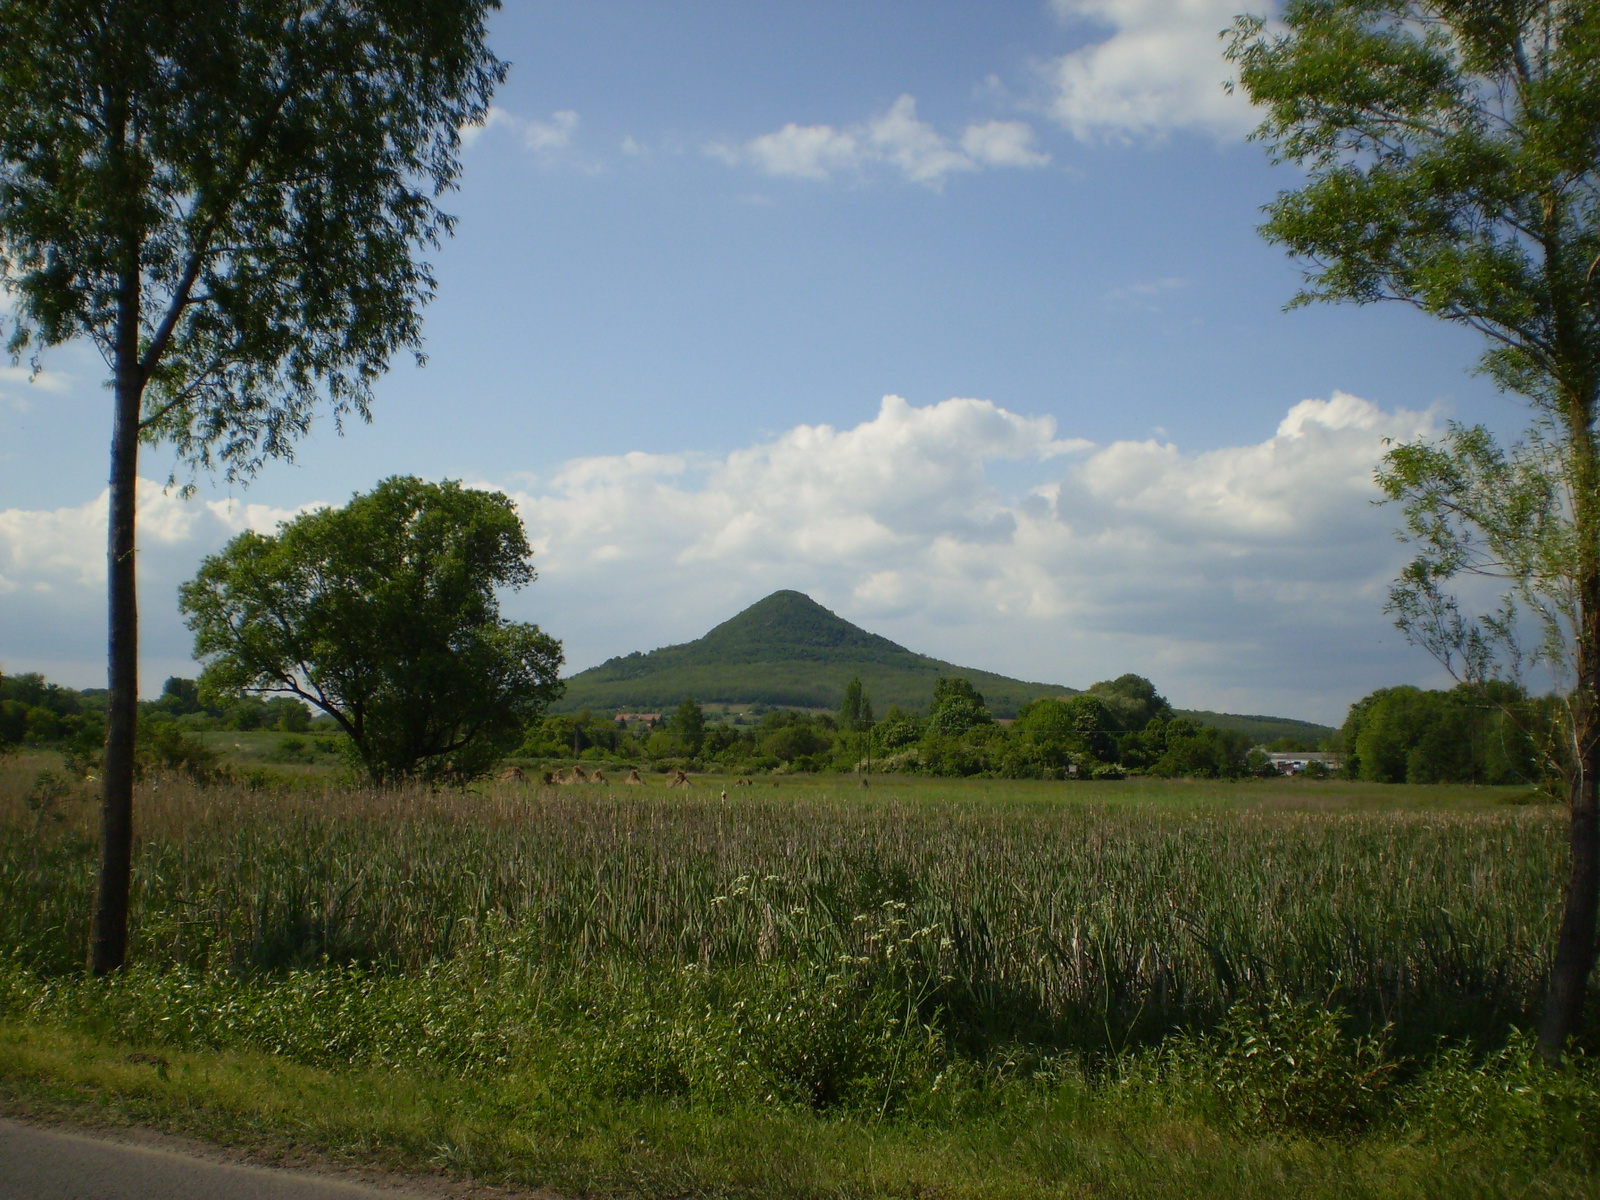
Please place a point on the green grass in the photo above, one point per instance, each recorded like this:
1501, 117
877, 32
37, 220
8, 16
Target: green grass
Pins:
1072, 1138
925, 987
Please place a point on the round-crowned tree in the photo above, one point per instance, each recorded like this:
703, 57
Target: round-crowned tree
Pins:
957, 707
384, 614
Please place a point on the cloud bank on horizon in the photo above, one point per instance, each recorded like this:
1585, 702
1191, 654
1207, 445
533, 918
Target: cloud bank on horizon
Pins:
1246, 578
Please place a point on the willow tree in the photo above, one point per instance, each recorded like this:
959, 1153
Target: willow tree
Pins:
1450, 151
229, 201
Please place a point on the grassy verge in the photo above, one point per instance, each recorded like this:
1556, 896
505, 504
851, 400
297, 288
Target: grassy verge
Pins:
1066, 1138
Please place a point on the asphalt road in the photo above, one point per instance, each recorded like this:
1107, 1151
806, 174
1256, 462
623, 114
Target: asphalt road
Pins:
48, 1164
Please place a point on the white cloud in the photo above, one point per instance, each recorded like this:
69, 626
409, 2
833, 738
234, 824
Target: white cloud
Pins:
1248, 578
18, 385
1002, 144
540, 136
895, 138
53, 574
1160, 69
803, 151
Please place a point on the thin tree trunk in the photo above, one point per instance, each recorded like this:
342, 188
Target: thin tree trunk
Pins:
1575, 945
108, 943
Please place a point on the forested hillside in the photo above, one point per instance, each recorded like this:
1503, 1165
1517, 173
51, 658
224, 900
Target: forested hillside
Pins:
790, 651
785, 650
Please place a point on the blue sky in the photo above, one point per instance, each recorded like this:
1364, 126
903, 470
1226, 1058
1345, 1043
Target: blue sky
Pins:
699, 243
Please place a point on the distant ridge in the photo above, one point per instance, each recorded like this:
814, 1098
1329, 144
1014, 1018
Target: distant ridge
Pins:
785, 650
788, 650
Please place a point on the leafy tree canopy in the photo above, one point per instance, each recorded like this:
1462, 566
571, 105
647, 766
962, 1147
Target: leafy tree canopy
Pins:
246, 181
384, 615
957, 706
1132, 699
855, 712
1451, 151
689, 723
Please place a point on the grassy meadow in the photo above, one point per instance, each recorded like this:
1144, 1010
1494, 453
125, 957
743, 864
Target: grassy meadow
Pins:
925, 987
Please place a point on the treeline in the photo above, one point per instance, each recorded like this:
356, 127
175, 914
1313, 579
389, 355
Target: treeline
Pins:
38, 714
1117, 727
1489, 734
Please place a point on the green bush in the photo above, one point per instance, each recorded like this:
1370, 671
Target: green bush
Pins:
1512, 1097
1286, 1064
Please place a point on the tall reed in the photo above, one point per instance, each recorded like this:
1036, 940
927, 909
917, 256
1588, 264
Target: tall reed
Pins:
1065, 925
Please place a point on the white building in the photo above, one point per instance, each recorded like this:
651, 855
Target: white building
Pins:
1294, 762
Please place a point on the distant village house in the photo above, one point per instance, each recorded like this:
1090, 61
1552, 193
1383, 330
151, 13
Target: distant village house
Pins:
1294, 763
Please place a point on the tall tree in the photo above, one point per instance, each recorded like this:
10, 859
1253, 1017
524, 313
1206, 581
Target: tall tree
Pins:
689, 723
384, 615
855, 711
1451, 150
228, 200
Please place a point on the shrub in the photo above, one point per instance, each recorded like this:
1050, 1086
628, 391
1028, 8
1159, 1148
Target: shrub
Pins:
1289, 1065
1512, 1097
163, 746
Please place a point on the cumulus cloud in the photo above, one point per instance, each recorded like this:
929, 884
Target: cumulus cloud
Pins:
1159, 69
1247, 578
550, 135
1250, 576
896, 138
53, 574
19, 385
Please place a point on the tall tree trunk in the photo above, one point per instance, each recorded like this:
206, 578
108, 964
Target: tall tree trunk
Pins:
108, 941
1575, 943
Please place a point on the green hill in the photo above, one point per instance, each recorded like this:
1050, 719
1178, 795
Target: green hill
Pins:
788, 650
784, 650
1262, 729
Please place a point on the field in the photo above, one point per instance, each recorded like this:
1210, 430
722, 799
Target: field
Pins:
811, 988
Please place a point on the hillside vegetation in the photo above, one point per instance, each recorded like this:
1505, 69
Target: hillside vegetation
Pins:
785, 650
789, 651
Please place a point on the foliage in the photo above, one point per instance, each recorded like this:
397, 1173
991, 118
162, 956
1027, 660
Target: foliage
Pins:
1195, 751
1282, 1063
1004, 1131
1083, 736
855, 712
182, 702
1470, 734
1514, 1097
1217, 982
264, 207
585, 733
1451, 163
383, 614
1012, 920
164, 747
36, 712
1132, 700
957, 707
784, 650
689, 724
